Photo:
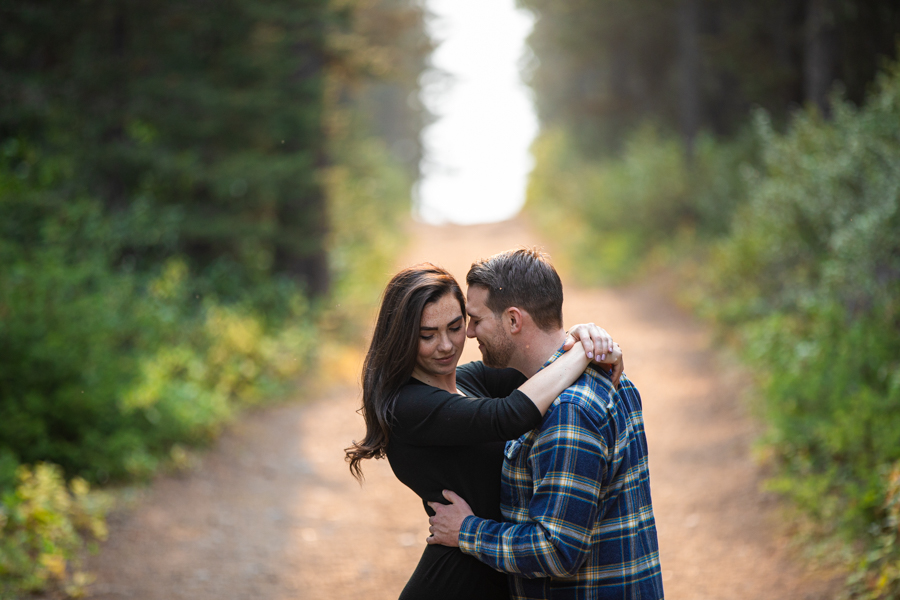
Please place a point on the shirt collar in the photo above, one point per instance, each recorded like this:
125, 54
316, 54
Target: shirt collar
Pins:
559, 352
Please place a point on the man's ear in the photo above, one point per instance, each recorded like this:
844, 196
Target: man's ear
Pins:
515, 319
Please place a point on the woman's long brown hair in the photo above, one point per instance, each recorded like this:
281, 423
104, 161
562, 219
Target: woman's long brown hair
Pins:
392, 354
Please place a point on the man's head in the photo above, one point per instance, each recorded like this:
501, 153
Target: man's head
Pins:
505, 291
523, 278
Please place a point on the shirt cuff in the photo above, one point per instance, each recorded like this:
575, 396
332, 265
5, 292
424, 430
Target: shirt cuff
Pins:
468, 534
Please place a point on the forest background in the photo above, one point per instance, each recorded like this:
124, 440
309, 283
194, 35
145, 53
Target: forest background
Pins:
192, 194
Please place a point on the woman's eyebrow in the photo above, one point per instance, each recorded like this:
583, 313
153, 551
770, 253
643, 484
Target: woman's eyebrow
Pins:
450, 324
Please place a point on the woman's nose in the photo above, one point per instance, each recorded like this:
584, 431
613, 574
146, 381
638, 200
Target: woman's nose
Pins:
445, 344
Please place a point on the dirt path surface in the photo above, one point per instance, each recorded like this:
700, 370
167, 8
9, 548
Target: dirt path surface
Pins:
272, 512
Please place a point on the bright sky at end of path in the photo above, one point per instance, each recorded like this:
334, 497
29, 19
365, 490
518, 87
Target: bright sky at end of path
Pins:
477, 156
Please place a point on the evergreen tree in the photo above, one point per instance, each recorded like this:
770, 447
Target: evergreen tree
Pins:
208, 115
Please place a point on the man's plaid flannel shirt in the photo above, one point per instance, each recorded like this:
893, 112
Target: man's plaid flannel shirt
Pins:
576, 495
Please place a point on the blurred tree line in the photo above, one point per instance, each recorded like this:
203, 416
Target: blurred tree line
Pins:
211, 115
187, 189
754, 148
605, 66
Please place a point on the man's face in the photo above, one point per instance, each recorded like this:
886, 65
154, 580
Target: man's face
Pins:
493, 338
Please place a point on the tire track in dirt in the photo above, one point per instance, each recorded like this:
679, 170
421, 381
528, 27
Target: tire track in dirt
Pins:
272, 513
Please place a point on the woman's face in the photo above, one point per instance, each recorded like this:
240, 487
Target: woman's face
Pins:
442, 335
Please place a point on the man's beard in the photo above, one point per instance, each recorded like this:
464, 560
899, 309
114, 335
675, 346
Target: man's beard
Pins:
498, 354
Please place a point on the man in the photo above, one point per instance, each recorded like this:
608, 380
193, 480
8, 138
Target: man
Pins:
576, 491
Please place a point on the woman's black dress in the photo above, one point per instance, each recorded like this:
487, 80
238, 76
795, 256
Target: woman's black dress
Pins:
446, 441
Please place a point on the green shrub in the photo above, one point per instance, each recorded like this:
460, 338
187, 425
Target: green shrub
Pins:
43, 525
877, 575
811, 279
799, 234
102, 372
611, 214
107, 372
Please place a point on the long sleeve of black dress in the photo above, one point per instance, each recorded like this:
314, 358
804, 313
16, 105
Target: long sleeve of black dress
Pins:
430, 416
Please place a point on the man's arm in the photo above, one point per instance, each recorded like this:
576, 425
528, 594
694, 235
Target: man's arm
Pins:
569, 459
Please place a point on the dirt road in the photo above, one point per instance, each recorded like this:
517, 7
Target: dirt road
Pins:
273, 514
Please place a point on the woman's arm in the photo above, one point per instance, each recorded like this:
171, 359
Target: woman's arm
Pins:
499, 383
431, 416
548, 383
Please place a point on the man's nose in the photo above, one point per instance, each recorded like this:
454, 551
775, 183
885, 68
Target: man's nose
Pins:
470, 330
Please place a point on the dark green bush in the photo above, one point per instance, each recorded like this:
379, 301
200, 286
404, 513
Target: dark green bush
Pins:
102, 370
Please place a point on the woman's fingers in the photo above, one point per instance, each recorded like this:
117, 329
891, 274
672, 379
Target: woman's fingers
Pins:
618, 364
602, 340
583, 333
617, 369
597, 342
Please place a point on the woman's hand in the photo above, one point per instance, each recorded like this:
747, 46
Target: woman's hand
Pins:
615, 360
596, 341
598, 346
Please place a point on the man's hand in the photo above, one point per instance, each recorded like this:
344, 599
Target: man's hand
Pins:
447, 520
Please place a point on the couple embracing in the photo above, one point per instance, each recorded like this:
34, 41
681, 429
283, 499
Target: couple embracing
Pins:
532, 464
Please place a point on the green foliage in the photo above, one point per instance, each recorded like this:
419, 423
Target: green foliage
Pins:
102, 370
212, 113
612, 213
811, 277
43, 525
368, 196
372, 128
877, 576
799, 234
177, 180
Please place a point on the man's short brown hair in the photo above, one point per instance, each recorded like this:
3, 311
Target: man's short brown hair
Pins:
523, 278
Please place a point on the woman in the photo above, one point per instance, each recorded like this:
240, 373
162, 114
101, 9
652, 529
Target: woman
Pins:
443, 426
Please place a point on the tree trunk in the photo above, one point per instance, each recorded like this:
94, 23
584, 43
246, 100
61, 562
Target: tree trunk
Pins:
306, 259
689, 72
818, 63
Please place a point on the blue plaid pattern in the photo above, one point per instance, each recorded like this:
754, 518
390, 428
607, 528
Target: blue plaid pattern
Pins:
576, 498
